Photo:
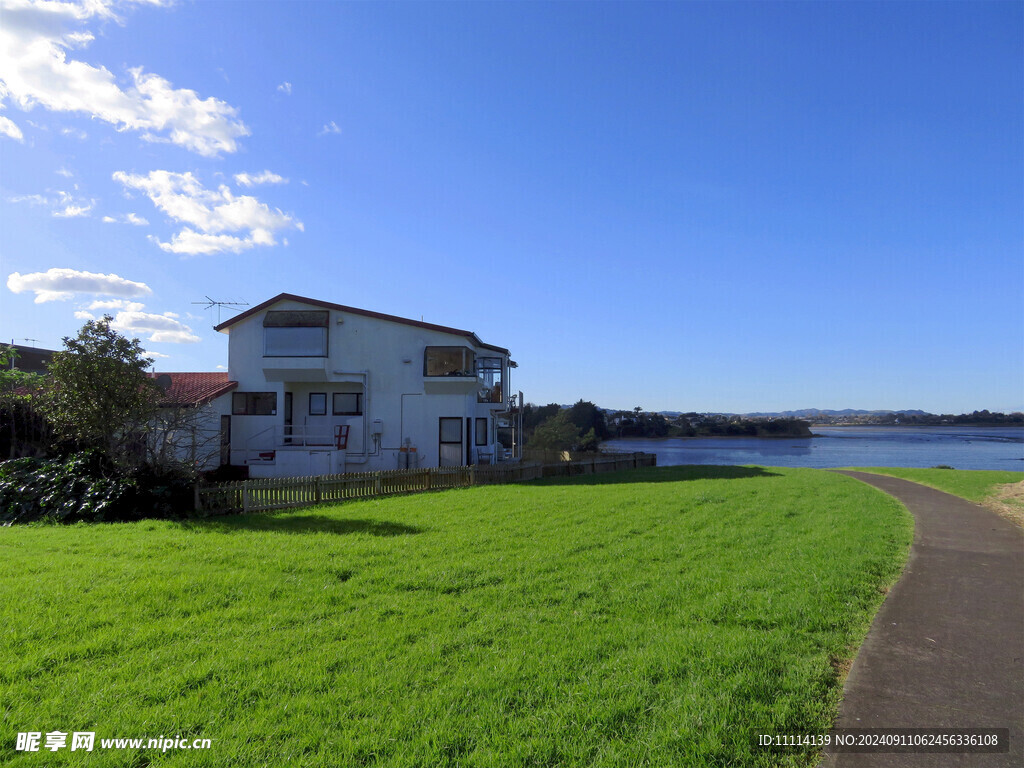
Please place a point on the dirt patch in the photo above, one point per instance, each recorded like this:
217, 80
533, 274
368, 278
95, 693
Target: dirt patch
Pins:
841, 666
1008, 501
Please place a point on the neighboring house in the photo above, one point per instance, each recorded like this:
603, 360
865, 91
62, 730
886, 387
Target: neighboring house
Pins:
31, 359
325, 388
194, 422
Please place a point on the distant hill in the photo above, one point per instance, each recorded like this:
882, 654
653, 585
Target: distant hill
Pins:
811, 413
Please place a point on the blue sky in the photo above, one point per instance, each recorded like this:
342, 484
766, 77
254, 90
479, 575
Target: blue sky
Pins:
685, 206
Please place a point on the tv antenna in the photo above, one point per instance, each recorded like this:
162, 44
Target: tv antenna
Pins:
211, 303
33, 346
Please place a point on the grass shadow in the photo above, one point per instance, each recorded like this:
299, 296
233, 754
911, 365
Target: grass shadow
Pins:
673, 474
290, 523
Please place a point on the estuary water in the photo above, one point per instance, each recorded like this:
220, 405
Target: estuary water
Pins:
957, 447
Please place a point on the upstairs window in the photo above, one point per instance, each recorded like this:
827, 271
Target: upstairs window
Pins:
295, 334
448, 361
488, 372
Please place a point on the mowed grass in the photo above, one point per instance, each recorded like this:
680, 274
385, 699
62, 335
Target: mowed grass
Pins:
971, 484
660, 617
999, 490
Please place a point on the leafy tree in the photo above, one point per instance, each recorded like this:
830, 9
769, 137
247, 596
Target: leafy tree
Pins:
588, 416
535, 415
98, 394
20, 426
555, 434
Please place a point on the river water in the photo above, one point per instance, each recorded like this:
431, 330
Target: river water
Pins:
958, 447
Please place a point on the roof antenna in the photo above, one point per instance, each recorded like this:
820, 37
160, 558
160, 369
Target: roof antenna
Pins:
211, 303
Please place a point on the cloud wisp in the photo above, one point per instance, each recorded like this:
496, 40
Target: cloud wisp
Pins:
60, 284
133, 322
216, 221
252, 180
36, 70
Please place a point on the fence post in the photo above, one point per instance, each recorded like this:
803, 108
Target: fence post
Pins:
245, 496
316, 490
376, 483
472, 474
197, 502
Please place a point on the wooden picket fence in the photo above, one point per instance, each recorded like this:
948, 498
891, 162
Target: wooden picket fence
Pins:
260, 495
582, 464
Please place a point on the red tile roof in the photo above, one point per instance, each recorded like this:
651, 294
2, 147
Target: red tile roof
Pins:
195, 388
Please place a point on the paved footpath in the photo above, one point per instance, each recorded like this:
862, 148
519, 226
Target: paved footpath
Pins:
947, 647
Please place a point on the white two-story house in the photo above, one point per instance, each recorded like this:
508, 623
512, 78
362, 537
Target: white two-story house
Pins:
325, 388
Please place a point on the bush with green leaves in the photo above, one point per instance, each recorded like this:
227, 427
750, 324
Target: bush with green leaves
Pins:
83, 487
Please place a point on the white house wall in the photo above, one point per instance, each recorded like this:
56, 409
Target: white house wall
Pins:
388, 356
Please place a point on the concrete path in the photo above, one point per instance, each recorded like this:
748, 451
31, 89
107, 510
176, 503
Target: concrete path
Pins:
947, 647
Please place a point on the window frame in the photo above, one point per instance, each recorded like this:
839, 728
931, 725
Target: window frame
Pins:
480, 422
250, 402
277, 320
359, 404
318, 412
468, 369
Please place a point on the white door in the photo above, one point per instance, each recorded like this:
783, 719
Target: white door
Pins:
450, 442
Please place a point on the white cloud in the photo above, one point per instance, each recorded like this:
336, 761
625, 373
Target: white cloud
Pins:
285, 88
62, 204
267, 177
160, 328
128, 218
72, 211
216, 220
35, 39
156, 355
9, 129
61, 284
76, 133
331, 127
62, 171
30, 199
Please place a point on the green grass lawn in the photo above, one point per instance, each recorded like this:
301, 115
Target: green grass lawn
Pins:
659, 617
972, 484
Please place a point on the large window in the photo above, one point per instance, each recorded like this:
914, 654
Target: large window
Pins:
348, 404
481, 431
448, 361
254, 403
488, 373
295, 334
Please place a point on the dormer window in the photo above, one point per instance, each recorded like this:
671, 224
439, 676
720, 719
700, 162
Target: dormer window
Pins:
295, 334
448, 361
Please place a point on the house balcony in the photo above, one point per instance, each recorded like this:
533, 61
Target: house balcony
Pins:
311, 369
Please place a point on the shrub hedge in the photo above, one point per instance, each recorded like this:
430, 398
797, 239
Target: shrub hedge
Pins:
85, 487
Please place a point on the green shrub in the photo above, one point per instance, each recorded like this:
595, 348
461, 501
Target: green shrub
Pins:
84, 487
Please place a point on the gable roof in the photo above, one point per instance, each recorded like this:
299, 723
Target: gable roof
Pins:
356, 311
191, 389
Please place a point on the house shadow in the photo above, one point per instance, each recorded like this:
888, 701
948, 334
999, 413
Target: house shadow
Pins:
302, 524
674, 474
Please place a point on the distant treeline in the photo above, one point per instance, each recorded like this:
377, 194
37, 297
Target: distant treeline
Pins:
583, 426
977, 419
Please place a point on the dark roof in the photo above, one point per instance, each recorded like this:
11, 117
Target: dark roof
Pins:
355, 311
32, 359
194, 388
